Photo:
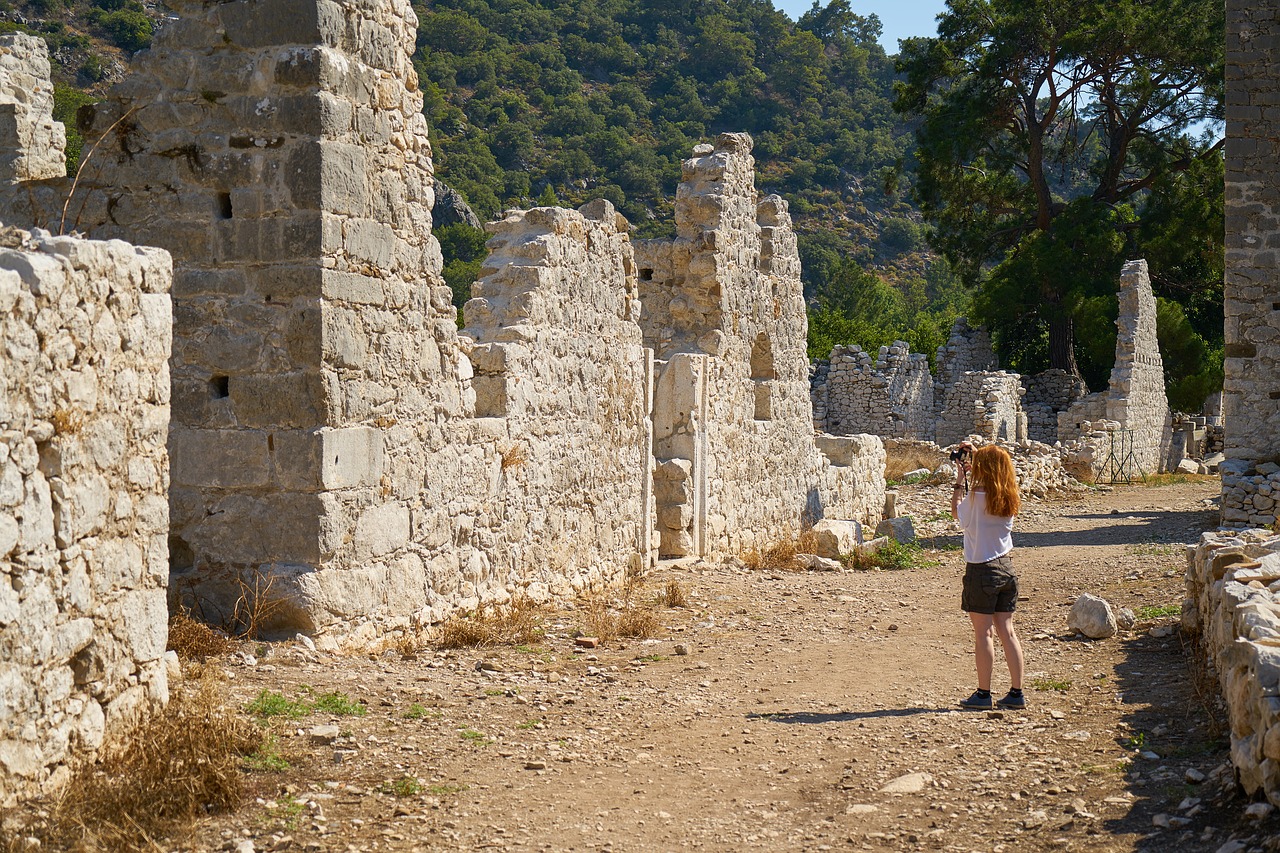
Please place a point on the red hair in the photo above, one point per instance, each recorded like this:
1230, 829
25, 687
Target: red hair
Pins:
993, 473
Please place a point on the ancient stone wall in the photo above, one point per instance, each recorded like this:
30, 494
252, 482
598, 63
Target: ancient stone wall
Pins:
1233, 602
337, 445
1048, 394
985, 403
84, 413
563, 381
724, 313
1135, 400
1251, 293
32, 144
891, 396
967, 349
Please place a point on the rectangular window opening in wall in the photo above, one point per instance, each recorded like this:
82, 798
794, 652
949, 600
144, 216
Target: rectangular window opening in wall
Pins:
646, 274
764, 401
219, 387
1275, 395
1275, 306
224, 205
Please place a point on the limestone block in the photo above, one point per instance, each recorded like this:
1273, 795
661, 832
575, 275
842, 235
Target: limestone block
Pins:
835, 537
351, 457
898, 529
382, 529
1092, 616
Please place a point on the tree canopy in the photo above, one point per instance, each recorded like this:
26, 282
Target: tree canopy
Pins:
1055, 139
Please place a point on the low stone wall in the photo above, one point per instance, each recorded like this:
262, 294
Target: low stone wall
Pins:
1249, 493
85, 328
1233, 601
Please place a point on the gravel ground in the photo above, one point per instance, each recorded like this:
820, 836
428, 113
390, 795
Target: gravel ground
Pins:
781, 711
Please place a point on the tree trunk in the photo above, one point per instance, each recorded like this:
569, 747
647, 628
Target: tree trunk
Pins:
1062, 349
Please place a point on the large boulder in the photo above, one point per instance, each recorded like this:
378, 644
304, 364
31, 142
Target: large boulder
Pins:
1093, 617
900, 529
834, 537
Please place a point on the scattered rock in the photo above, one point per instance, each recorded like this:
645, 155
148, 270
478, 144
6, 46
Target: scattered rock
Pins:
681, 649
535, 764
860, 808
1092, 616
587, 642
835, 537
1259, 811
1194, 776
899, 529
1125, 619
910, 783
324, 734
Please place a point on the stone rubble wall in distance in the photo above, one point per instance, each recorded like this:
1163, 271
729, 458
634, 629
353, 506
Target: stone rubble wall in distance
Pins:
967, 349
1233, 602
1134, 406
1251, 290
1048, 394
982, 403
85, 330
32, 144
890, 396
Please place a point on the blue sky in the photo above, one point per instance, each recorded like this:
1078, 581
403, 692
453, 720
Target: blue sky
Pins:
901, 18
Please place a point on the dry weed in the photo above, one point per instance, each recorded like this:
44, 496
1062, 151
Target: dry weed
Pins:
514, 624
195, 640
182, 763
632, 619
779, 556
673, 595
257, 605
901, 459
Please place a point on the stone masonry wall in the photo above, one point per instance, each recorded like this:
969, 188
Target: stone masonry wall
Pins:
1233, 601
84, 412
967, 349
333, 443
724, 313
1135, 398
32, 144
983, 403
1047, 394
1251, 294
891, 396
564, 380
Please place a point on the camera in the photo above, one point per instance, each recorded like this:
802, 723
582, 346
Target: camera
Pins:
961, 454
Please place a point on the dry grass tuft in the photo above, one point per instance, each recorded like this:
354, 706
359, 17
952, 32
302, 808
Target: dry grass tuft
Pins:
182, 763
257, 606
195, 640
672, 595
900, 459
632, 619
514, 624
779, 556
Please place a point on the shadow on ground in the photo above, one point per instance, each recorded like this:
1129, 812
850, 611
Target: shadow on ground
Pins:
816, 717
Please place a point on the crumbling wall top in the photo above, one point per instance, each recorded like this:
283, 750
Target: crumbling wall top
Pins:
32, 144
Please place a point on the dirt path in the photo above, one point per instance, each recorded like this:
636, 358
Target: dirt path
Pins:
800, 697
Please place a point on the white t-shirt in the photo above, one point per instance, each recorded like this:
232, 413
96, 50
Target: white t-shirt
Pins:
986, 536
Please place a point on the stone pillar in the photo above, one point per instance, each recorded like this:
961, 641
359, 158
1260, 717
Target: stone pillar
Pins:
32, 144
1251, 298
1136, 397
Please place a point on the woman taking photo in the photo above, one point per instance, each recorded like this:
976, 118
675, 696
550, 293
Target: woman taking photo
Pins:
990, 593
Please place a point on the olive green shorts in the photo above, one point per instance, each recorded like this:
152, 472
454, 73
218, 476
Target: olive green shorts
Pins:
990, 587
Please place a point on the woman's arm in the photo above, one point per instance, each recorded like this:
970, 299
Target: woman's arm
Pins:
957, 493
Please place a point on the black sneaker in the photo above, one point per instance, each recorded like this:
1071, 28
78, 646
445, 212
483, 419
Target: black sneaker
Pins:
979, 701
1012, 702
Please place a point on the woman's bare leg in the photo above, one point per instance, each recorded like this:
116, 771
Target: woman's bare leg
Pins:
984, 652
1012, 648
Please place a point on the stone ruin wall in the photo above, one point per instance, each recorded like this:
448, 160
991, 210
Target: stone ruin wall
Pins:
890, 396
1233, 602
1251, 297
725, 316
1093, 426
32, 144
1047, 394
333, 440
563, 380
84, 411
982, 403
